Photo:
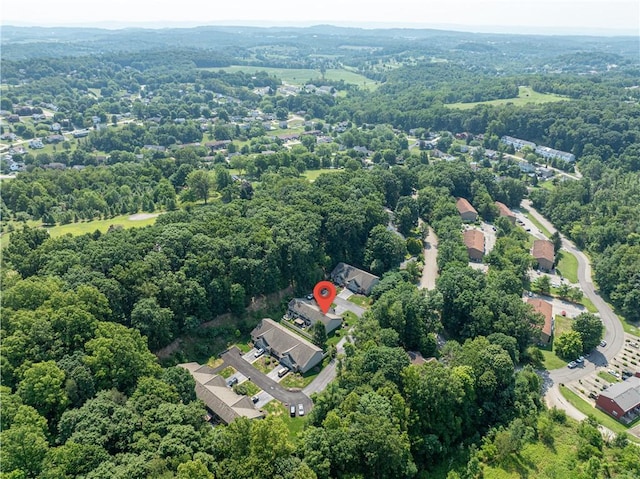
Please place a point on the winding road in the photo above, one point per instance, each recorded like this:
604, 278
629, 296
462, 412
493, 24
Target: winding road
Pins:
614, 333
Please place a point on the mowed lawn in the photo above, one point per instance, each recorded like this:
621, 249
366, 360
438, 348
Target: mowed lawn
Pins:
551, 360
568, 266
81, 228
301, 76
525, 95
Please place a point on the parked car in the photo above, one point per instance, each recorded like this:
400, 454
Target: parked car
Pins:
255, 399
603, 343
232, 381
310, 296
593, 395
292, 410
300, 410
572, 365
259, 353
580, 360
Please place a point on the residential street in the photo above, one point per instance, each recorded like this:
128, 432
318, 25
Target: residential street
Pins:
233, 357
430, 270
614, 333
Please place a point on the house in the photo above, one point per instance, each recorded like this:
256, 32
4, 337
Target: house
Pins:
291, 350
550, 153
544, 254
474, 241
517, 143
621, 400
504, 210
354, 279
467, 212
36, 144
309, 314
546, 310
220, 399
80, 133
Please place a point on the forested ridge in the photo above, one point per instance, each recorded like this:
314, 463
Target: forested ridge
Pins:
152, 129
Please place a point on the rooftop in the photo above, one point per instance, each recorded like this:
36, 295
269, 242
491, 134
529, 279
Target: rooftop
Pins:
543, 307
543, 249
464, 206
626, 394
474, 239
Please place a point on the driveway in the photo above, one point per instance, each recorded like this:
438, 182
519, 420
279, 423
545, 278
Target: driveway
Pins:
489, 237
343, 305
430, 270
233, 357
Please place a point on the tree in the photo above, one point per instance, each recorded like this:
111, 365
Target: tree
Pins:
24, 444
193, 470
200, 182
118, 356
542, 284
154, 322
384, 250
590, 329
319, 334
568, 345
557, 242
42, 387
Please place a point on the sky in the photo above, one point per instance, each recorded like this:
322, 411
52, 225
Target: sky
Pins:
608, 17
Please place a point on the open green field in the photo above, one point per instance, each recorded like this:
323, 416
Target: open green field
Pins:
585, 408
568, 266
294, 424
81, 228
312, 175
525, 95
300, 76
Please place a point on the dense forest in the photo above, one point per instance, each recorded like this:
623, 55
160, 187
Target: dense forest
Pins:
228, 159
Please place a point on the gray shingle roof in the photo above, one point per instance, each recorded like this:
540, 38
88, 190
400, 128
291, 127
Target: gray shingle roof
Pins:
311, 311
345, 275
213, 391
626, 394
282, 341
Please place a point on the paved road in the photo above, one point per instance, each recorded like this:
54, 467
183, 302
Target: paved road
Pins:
344, 304
233, 357
614, 333
430, 270
328, 374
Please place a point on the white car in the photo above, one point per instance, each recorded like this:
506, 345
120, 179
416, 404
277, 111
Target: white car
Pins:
259, 353
300, 410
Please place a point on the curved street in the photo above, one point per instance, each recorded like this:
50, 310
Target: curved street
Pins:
614, 333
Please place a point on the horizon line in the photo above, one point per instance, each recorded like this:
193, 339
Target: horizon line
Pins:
480, 28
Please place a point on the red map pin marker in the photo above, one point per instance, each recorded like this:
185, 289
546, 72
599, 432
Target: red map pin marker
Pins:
324, 292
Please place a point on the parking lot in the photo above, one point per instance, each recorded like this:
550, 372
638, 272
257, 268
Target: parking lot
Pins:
606, 372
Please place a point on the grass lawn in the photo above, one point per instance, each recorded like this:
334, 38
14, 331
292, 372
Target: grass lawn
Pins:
215, 362
301, 76
525, 95
630, 327
587, 303
585, 408
551, 360
261, 364
294, 424
335, 337
547, 185
530, 217
608, 377
360, 300
247, 388
300, 381
312, 175
84, 227
227, 372
244, 347
568, 266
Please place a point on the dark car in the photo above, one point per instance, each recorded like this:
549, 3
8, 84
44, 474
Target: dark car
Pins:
292, 410
232, 381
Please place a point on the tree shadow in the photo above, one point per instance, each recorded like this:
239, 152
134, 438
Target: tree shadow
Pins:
520, 465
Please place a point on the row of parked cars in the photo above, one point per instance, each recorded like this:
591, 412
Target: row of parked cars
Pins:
580, 360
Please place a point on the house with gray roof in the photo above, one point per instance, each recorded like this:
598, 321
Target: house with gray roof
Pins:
291, 350
306, 313
220, 399
354, 279
621, 400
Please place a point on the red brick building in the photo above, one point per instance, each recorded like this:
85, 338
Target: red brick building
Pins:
621, 400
